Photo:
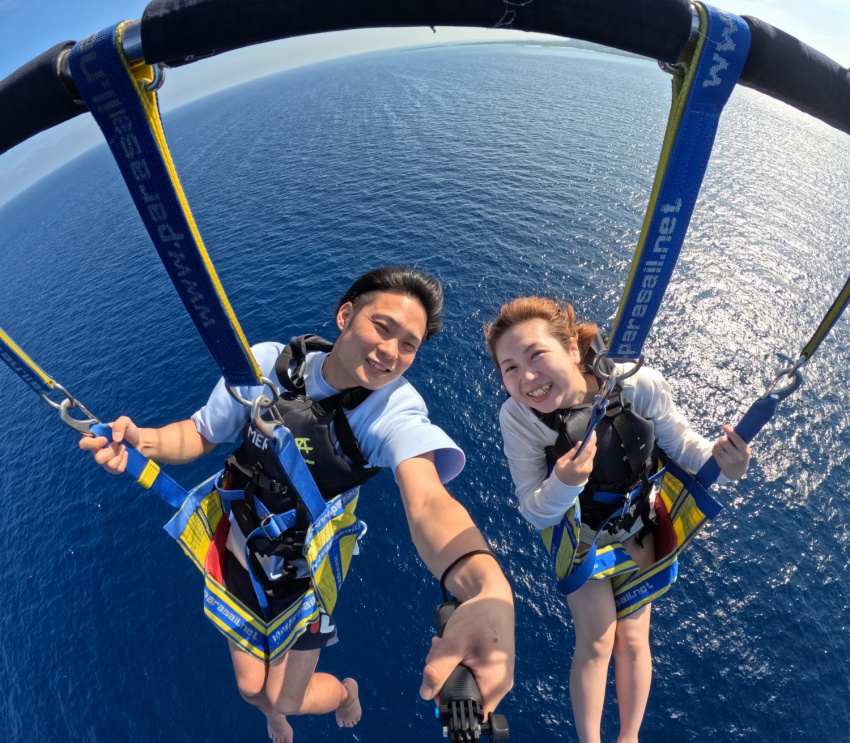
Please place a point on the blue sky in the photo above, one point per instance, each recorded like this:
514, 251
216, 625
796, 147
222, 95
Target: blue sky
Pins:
29, 27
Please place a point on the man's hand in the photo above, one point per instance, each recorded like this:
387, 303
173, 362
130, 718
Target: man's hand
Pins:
480, 635
176, 443
113, 458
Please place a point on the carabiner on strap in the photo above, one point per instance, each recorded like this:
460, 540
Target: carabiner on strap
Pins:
597, 412
792, 373
599, 372
260, 403
80, 425
600, 404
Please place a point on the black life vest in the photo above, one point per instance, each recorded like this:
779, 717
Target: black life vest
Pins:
255, 468
626, 452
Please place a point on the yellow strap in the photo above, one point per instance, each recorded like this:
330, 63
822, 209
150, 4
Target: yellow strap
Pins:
681, 88
26, 361
149, 474
142, 74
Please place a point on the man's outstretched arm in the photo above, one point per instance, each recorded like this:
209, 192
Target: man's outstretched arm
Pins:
480, 633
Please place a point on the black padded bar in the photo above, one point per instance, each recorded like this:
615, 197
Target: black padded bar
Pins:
35, 97
177, 30
783, 67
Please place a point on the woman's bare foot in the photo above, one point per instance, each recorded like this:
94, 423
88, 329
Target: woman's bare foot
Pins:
280, 731
348, 714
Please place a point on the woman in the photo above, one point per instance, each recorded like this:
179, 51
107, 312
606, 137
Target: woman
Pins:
544, 358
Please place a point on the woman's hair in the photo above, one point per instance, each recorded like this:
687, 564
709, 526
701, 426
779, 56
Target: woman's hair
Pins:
427, 290
559, 316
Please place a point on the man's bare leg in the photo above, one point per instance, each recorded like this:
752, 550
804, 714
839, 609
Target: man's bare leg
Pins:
251, 682
291, 686
294, 688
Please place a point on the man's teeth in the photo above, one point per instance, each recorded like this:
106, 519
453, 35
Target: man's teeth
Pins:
540, 391
378, 366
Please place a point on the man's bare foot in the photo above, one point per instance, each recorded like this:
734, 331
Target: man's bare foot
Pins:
280, 731
348, 714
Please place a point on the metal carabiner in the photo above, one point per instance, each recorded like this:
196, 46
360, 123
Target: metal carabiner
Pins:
600, 404
597, 369
796, 377
597, 412
68, 404
261, 402
79, 425
258, 404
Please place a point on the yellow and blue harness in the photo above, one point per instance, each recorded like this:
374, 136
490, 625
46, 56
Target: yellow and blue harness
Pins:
682, 507
201, 528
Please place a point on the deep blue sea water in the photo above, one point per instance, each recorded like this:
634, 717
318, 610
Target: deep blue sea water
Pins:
504, 169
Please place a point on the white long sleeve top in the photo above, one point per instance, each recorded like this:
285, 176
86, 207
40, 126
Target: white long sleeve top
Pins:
543, 500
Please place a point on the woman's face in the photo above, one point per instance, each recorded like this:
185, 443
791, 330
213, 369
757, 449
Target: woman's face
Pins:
538, 371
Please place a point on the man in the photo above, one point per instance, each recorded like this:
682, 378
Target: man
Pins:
383, 319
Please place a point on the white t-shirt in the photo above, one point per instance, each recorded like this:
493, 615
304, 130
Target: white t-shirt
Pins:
391, 425
543, 500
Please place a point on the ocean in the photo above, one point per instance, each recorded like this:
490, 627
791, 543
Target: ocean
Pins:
504, 169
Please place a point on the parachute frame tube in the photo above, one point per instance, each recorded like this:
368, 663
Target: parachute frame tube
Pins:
38, 96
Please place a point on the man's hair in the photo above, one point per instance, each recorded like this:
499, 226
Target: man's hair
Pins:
425, 289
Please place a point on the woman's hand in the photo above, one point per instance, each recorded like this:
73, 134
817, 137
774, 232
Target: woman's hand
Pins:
732, 454
576, 471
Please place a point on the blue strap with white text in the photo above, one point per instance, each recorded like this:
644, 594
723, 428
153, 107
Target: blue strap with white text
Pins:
721, 52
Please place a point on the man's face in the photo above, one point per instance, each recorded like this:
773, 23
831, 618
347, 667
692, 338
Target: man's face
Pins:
377, 343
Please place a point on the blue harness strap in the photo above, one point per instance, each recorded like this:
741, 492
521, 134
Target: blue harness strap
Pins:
147, 472
713, 69
321, 513
718, 59
115, 93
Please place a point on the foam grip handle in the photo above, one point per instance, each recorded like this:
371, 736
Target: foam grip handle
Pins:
759, 413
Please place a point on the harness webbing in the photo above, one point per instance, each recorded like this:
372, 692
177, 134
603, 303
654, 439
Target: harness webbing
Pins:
147, 472
698, 100
128, 115
831, 317
31, 374
762, 410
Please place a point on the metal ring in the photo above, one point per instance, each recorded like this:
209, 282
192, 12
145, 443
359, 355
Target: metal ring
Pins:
672, 69
57, 405
250, 403
602, 375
